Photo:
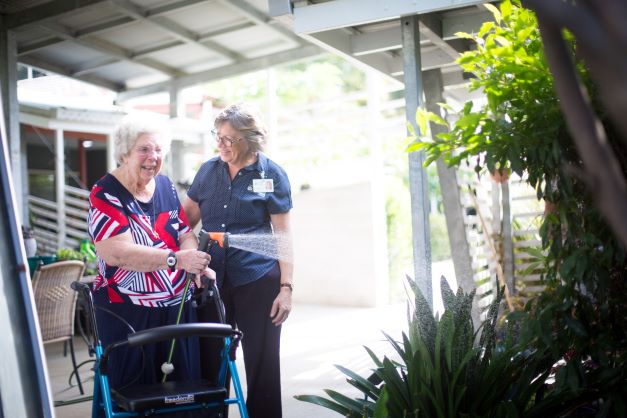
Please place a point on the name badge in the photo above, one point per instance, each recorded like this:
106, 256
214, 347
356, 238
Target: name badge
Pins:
263, 185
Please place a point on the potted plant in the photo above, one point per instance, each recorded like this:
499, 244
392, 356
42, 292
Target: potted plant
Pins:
30, 244
85, 253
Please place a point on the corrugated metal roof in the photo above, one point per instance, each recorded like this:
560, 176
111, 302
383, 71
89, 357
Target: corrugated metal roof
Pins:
137, 47
369, 32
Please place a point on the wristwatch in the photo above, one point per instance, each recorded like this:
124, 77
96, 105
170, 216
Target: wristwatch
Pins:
171, 261
288, 285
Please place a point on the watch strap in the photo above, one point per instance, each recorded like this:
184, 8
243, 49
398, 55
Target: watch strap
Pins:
288, 285
171, 265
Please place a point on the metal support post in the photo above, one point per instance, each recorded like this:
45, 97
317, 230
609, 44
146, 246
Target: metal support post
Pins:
417, 174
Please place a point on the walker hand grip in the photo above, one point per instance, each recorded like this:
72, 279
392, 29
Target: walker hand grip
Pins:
80, 287
203, 240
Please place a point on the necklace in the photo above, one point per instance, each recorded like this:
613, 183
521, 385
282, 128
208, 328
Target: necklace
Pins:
151, 221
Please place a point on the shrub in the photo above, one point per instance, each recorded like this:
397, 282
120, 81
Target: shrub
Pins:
582, 316
441, 372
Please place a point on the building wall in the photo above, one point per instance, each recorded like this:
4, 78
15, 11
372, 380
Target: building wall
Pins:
340, 256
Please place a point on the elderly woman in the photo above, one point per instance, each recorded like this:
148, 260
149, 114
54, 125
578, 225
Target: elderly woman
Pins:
243, 192
144, 246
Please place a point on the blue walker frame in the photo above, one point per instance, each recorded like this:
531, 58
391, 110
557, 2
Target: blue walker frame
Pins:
102, 399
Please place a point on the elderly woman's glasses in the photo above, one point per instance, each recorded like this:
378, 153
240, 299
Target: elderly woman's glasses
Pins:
146, 150
224, 139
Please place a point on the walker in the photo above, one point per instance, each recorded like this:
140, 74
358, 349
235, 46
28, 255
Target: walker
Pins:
166, 396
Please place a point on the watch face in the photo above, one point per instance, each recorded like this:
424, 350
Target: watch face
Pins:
171, 260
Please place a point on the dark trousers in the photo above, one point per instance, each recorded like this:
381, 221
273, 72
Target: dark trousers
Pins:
248, 308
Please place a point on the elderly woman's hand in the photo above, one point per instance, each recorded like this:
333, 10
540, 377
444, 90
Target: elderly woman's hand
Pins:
192, 261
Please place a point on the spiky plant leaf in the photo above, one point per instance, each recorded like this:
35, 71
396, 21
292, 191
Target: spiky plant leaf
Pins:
356, 405
374, 357
404, 351
380, 409
423, 324
448, 297
364, 385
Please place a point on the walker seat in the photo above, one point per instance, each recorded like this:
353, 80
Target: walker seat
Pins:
168, 394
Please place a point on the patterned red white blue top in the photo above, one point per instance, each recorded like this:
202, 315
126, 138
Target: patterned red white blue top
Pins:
113, 211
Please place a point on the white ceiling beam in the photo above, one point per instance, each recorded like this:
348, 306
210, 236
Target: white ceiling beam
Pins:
279, 8
436, 58
260, 18
201, 38
108, 49
179, 5
464, 22
338, 42
223, 72
452, 78
156, 48
432, 58
172, 28
335, 14
371, 42
432, 30
37, 45
192, 38
382, 40
112, 24
461, 93
92, 65
390, 63
227, 29
53, 10
42, 65
104, 26
80, 33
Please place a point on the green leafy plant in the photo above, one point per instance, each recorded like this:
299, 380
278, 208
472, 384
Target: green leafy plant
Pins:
582, 316
64, 254
444, 368
86, 253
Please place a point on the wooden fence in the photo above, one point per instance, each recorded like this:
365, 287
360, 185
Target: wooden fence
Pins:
513, 207
54, 229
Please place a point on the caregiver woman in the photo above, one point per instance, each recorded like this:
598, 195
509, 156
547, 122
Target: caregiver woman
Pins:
242, 191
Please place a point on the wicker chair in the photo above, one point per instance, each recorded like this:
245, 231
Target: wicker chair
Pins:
56, 301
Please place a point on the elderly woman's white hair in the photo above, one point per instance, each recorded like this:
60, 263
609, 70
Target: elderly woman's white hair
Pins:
132, 126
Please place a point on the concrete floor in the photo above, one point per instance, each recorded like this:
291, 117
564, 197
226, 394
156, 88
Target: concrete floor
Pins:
314, 339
